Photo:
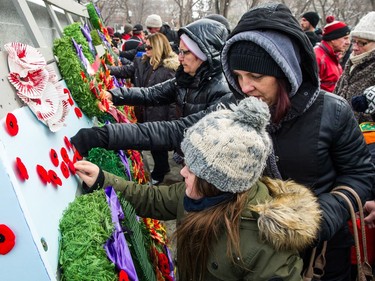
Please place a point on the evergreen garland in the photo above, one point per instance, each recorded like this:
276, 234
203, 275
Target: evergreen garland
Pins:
74, 31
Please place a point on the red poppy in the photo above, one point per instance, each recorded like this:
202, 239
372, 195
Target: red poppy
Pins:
64, 155
163, 264
65, 170
67, 143
22, 171
43, 174
77, 156
54, 178
11, 124
71, 168
54, 157
7, 239
123, 276
78, 112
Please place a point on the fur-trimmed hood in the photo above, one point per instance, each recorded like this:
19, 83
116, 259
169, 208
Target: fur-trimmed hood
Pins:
171, 62
289, 219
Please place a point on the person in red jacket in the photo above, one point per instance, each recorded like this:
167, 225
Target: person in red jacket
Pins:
335, 42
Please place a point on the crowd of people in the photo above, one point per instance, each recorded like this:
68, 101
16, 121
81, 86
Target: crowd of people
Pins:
265, 128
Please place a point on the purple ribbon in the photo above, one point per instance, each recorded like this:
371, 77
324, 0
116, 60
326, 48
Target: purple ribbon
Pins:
104, 39
171, 267
80, 53
116, 247
125, 161
86, 32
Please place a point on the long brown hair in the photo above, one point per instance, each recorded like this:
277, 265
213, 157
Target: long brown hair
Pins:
161, 49
199, 231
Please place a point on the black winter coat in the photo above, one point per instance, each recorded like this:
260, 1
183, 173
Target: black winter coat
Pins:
318, 143
142, 75
204, 92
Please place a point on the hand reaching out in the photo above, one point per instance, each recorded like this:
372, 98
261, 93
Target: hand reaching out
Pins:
87, 171
369, 209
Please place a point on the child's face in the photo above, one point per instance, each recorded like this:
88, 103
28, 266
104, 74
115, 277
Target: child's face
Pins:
191, 190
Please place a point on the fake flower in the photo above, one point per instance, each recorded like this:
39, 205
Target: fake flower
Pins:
7, 239
22, 171
11, 124
64, 170
54, 157
43, 174
54, 178
163, 264
64, 154
78, 112
123, 276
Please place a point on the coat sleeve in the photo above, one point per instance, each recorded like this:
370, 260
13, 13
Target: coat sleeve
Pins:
158, 202
159, 94
352, 164
161, 135
123, 71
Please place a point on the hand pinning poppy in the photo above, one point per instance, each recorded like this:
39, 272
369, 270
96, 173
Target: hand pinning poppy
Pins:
43, 174
7, 239
11, 124
54, 157
22, 171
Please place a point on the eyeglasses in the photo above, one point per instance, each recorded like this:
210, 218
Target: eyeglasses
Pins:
360, 43
148, 47
116, 40
183, 52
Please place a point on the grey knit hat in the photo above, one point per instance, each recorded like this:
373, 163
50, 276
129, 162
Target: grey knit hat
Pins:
365, 29
229, 148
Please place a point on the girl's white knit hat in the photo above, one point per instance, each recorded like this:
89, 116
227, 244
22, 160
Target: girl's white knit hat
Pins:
229, 147
365, 28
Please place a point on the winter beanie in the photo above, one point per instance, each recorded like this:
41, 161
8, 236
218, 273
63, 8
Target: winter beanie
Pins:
366, 27
248, 56
229, 148
334, 29
154, 21
193, 47
219, 18
312, 18
127, 28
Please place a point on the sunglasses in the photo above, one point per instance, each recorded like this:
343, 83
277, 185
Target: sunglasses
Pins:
360, 43
148, 47
183, 52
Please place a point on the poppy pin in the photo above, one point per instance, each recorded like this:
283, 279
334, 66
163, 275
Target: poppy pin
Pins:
43, 174
65, 170
7, 239
64, 154
67, 143
70, 100
54, 178
54, 157
11, 124
78, 112
123, 276
71, 168
22, 171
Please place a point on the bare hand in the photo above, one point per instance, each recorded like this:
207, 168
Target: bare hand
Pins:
108, 95
87, 171
116, 50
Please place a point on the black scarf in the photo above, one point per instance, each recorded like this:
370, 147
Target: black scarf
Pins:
192, 205
185, 80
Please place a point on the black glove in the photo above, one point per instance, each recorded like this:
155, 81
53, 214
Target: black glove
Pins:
89, 138
359, 103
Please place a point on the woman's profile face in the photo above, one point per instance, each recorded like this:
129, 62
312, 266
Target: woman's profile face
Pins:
189, 177
188, 60
257, 85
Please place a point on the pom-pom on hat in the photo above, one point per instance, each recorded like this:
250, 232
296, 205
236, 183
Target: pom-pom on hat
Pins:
229, 148
248, 56
334, 29
312, 18
154, 21
365, 29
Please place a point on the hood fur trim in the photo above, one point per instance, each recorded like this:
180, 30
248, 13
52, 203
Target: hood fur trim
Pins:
291, 219
171, 62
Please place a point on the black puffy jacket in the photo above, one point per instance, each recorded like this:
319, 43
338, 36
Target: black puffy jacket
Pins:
208, 89
319, 144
